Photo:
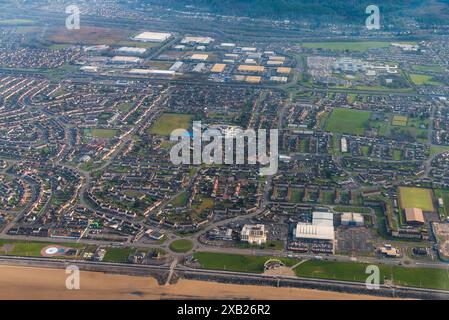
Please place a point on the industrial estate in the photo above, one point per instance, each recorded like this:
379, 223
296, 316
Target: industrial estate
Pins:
363, 117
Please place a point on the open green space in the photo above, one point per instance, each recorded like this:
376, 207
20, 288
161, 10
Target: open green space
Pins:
297, 195
168, 122
397, 154
421, 277
416, 198
444, 195
182, 245
382, 88
166, 144
101, 133
351, 46
125, 107
348, 121
423, 79
204, 203
363, 210
180, 200
428, 68
119, 255
61, 91
348, 271
56, 74
236, 262
270, 244
402, 128
365, 150
381, 223
438, 149
29, 248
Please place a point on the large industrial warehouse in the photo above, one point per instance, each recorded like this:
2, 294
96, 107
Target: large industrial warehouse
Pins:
152, 36
318, 236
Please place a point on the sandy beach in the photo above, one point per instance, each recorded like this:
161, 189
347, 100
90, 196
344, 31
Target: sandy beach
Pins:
40, 283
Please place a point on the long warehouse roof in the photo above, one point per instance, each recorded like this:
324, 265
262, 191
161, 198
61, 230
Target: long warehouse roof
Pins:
310, 231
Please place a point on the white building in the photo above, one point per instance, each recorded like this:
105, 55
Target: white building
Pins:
344, 145
125, 60
307, 231
152, 36
323, 219
176, 66
352, 219
89, 69
197, 40
200, 67
279, 79
249, 49
405, 46
152, 72
347, 64
179, 47
131, 50
227, 45
321, 228
253, 234
97, 48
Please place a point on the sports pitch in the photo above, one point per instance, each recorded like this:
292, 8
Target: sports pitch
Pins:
400, 121
349, 271
168, 122
348, 121
416, 198
101, 133
422, 79
236, 262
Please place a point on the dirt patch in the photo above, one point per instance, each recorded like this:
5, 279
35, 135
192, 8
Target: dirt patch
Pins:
280, 271
89, 35
441, 231
41, 283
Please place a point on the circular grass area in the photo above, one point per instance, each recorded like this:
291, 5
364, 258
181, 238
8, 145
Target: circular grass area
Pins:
181, 245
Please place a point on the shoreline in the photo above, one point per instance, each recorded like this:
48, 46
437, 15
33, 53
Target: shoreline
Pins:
33, 283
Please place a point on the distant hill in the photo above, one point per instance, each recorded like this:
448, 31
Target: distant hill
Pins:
432, 10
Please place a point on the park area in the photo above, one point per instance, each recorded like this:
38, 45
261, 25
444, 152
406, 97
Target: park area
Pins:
402, 128
424, 80
118, 255
348, 121
416, 198
349, 271
344, 271
29, 248
168, 122
236, 262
